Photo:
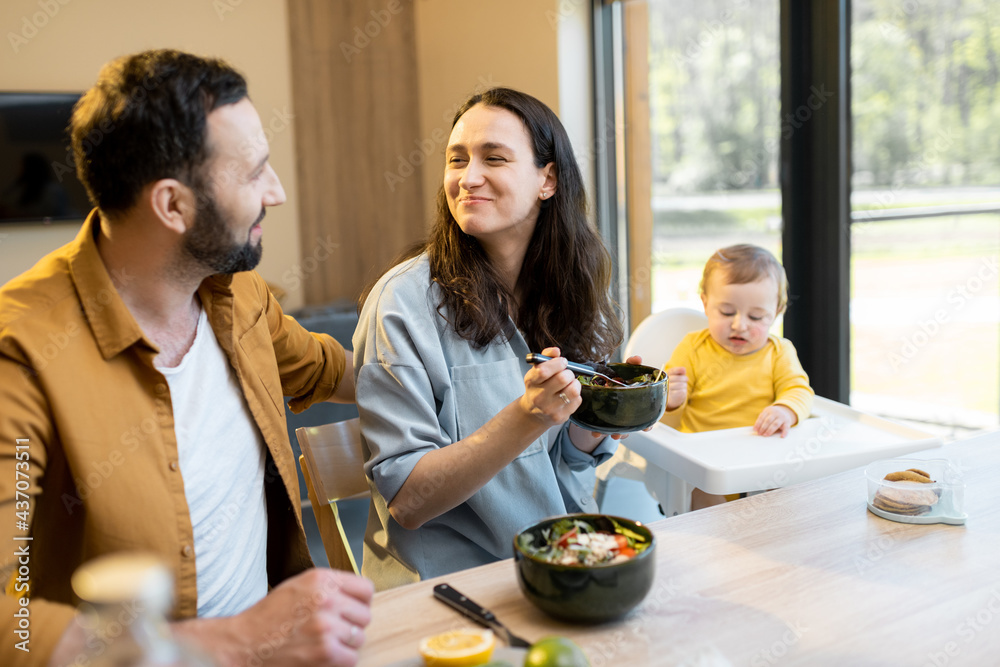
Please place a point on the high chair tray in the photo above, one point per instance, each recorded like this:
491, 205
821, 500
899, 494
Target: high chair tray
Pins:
835, 438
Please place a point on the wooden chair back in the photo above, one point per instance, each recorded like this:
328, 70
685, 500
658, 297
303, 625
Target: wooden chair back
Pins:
332, 463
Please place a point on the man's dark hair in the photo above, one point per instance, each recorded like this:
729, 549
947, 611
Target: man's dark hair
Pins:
145, 119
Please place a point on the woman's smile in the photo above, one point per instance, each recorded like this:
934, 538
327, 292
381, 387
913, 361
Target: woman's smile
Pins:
472, 200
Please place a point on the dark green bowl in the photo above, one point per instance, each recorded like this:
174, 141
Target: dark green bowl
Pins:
617, 409
588, 594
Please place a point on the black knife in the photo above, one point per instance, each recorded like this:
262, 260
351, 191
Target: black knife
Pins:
453, 598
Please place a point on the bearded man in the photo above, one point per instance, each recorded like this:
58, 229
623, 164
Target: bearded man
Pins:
142, 373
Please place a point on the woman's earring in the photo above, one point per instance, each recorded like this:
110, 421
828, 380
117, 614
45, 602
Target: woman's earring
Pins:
545, 195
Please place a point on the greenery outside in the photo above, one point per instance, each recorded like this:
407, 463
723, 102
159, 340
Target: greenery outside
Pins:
926, 132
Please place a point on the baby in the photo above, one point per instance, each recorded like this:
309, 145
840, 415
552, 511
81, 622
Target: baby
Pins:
735, 373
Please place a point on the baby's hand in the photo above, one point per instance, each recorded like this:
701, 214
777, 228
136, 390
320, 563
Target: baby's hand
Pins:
677, 387
775, 419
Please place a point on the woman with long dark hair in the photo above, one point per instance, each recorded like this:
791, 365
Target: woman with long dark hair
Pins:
466, 441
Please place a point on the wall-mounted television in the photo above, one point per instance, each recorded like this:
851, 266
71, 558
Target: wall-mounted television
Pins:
37, 176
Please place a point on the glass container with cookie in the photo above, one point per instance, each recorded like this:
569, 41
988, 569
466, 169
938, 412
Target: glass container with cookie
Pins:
916, 491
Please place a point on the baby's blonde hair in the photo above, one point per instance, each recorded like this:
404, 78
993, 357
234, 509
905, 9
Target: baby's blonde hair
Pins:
745, 263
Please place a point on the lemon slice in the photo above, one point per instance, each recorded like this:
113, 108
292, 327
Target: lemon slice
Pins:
458, 648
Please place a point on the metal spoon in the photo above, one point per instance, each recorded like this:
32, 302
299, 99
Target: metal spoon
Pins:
579, 369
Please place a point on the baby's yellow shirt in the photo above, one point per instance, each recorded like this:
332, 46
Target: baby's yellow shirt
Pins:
727, 391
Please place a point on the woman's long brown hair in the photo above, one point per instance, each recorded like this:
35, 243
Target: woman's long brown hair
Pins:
566, 275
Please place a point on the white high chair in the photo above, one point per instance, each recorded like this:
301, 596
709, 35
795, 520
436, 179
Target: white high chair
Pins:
833, 439
654, 339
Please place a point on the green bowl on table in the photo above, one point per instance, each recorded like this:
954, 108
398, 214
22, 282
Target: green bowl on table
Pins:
616, 409
551, 575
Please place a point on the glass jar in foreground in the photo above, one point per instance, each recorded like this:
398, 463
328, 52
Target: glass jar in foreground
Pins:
125, 601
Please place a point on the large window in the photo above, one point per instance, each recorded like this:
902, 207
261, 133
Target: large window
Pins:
925, 303
714, 97
703, 123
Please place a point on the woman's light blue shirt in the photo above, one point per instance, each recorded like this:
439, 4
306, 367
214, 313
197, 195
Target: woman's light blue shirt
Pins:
421, 387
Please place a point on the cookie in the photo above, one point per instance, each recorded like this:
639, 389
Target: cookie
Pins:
908, 496
911, 500
911, 510
911, 475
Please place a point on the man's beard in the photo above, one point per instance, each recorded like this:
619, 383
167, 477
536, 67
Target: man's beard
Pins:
208, 242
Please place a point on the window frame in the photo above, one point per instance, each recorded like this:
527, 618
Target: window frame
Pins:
815, 178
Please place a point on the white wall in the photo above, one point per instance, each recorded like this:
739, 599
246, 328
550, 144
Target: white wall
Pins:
67, 42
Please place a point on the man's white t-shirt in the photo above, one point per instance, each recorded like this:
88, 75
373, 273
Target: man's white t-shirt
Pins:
222, 460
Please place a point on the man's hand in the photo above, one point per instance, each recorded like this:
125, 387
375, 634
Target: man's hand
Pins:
315, 618
677, 387
775, 419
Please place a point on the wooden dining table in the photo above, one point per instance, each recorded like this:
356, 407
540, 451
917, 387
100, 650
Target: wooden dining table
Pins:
802, 575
